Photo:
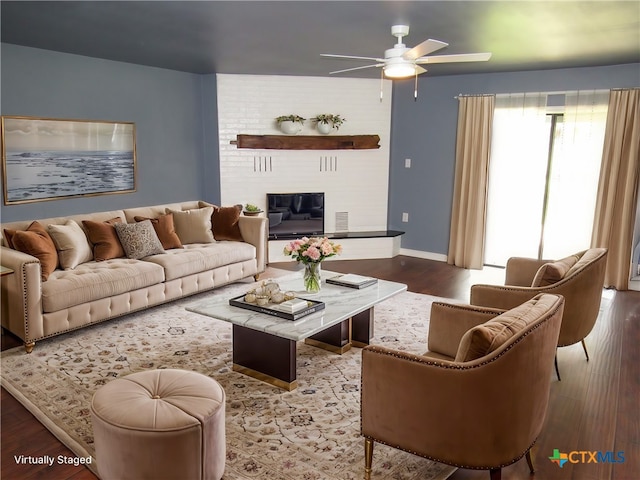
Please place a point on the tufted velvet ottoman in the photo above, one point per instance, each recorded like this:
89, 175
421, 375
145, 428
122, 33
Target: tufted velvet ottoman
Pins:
160, 424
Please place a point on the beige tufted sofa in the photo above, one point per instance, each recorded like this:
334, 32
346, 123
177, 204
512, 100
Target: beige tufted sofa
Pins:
93, 291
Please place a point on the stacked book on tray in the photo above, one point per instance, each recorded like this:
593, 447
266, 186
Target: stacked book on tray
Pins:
352, 280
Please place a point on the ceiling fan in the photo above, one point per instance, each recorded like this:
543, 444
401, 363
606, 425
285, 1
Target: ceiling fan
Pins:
402, 62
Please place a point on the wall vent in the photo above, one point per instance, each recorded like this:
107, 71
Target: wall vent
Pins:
342, 221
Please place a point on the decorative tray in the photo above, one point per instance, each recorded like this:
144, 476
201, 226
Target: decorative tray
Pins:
276, 310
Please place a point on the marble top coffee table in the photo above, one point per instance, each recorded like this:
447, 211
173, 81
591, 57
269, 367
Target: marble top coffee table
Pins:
264, 346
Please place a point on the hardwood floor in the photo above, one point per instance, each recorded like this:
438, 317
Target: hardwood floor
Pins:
594, 408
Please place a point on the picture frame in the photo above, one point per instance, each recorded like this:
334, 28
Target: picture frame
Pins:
51, 159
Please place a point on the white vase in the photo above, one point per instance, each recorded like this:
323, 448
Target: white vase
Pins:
324, 128
290, 128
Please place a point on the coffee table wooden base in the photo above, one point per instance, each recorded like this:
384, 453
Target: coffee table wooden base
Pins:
336, 339
265, 357
272, 359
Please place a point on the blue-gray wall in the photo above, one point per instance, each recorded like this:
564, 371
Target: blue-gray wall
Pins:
177, 142
173, 112
425, 131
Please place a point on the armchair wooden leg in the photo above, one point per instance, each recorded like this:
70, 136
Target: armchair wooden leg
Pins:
584, 345
495, 473
556, 363
530, 461
368, 457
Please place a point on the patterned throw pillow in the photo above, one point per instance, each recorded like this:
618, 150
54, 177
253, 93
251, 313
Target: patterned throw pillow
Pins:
139, 240
165, 229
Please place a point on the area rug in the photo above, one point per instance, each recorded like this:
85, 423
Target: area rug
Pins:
312, 433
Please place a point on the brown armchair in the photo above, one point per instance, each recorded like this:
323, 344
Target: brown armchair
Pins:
578, 278
477, 399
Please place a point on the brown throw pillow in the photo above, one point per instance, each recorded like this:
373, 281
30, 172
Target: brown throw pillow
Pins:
224, 223
553, 272
36, 242
489, 336
103, 236
165, 229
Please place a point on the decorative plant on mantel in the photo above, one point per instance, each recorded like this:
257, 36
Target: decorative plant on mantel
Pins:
326, 121
288, 123
290, 118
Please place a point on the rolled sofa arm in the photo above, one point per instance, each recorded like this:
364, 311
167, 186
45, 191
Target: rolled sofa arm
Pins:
254, 231
21, 296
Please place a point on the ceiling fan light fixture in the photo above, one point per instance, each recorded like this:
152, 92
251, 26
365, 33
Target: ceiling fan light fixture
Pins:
400, 70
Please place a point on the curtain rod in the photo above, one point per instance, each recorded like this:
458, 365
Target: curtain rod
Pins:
563, 92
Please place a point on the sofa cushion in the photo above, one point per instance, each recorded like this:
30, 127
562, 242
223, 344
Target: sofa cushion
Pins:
36, 242
165, 229
138, 240
553, 272
489, 336
103, 236
195, 258
193, 226
72, 244
94, 280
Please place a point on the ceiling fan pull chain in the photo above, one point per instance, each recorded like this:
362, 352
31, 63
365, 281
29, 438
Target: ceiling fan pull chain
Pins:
415, 89
381, 83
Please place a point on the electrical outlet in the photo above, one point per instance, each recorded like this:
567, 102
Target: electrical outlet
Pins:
407, 163
405, 217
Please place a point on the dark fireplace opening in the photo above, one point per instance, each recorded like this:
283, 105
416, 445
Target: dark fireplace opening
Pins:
293, 215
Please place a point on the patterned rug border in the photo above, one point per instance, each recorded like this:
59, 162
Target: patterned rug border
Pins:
78, 449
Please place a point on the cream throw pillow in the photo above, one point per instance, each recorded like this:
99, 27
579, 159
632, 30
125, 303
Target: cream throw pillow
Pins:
71, 243
193, 226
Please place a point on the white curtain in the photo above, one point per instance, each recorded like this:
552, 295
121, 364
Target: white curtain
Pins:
573, 180
516, 177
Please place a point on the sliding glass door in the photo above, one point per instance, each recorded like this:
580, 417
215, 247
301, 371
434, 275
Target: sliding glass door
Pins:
543, 175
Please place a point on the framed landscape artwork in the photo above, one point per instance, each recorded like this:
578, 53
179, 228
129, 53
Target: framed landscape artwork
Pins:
49, 159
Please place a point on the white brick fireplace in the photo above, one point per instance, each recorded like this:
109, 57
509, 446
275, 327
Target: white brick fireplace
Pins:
354, 181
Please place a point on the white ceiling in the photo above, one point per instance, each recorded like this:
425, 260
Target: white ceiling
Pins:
287, 37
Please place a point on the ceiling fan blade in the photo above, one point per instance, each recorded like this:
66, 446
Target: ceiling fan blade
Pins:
425, 48
351, 57
357, 68
462, 57
420, 70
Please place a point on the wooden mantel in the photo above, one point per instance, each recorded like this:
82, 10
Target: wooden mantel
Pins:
308, 142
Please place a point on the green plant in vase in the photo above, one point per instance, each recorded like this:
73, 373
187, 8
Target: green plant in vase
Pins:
290, 124
326, 121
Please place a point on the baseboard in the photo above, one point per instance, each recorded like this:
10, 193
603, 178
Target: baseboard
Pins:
440, 257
